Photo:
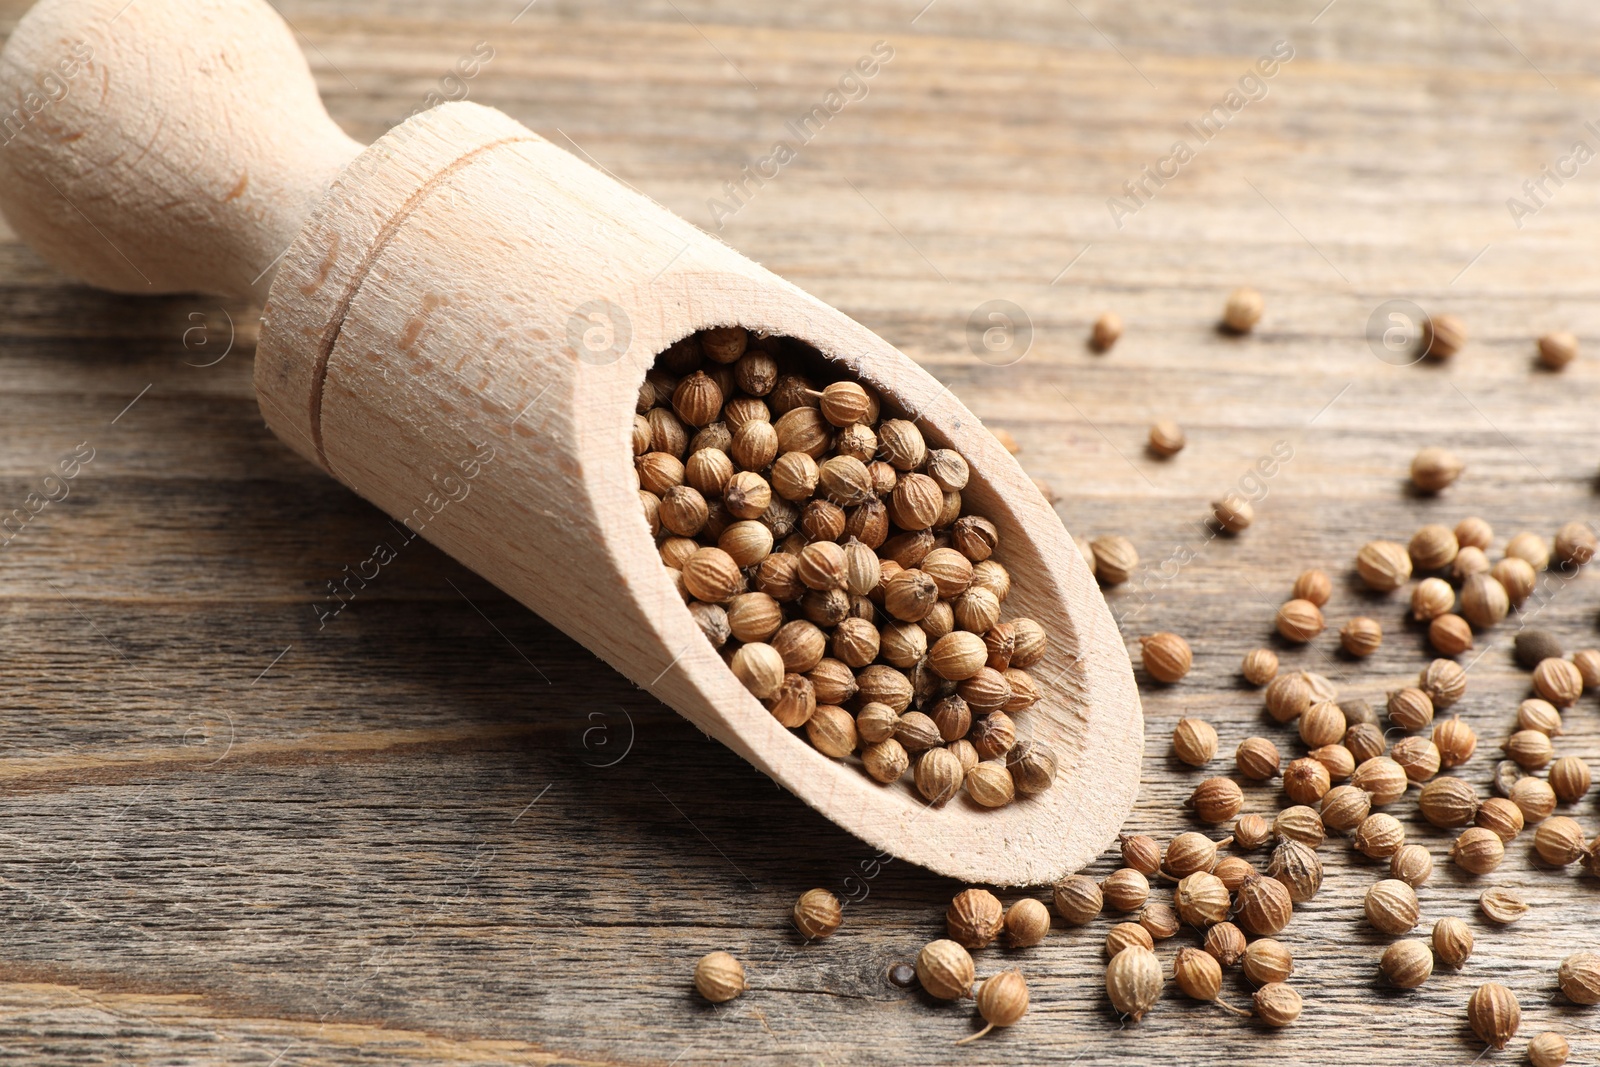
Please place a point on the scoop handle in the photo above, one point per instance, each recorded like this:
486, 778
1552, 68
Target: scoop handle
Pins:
162, 147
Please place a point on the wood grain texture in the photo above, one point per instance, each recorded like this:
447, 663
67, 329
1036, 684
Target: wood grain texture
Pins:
362, 875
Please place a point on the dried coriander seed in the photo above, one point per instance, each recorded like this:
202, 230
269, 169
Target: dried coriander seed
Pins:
1078, 899
1433, 547
1202, 899
1216, 800
719, 977
1435, 469
1107, 329
1125, 889
1306, 781
1456, 741
1534, 798
1190, 852
1384, 565
817, 914
1243, 309
1128, 935
1002, 1001
1410, 708
1383, 778
1256, 758
1322, 724
1548, 1049
974, 918
1501, 817
1251, 832
1417, 756
1361, 636
1559, 841
1299, 621
1115, 558
1407, 964
1558, 681
1167, 438
1450, 635
1484, 601
1027, 923
1345, 808
1233, 513
938, 775
1032, 766
1477, 850
1379, 836
1448, 803
1569, 779
945, 970
1575, 543
1530, 749
1412, 864
1234, 871
1225, 943
1277, 1004
1494, 1014
1161, 920
1260, 666
1141, 853
1298, 868
1268, 961
1502, 906
1264, 906
1166, 657
1587, 660
989, 784
1579, 978
1300, 823
1391, 906
1198, 974
1287, 697
1134, 981
1452, 942
1556, 350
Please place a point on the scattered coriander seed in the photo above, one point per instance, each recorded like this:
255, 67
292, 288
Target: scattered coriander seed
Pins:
1448, 803
1502, 906
760, 668
1456, 740
1299, 621
1197, 973
945, 970
1190, 852
1383, 778
1579, 978
1365, 741
1575, 543
1287, 697
1469, 561
1141, 853
1433, 547
1256, 759
1166, 657
1445, 682
817, 914
1450, 635
1548, 1049
1233, 513
1264, 906
1556, 350
938, 775
1277, 1004
1530, 749
1484, 601
719, 977
1541, 715
1313, 585
1161, 920
1296, 865
1443, 336
1260, 666
1361, 636
1125, 889
1417, 756
1234, 871
1432, 598
1032, 766
1345, 808
1217, 800
1322, 724
1167, 438
1500, 817
1115, 558
1134, 981
1407, 964
1379, 836
1243, 309
1306, 781
1128, 935
1226, 944
1452, 941
887, 761
1494, 1014
1587, 660
1529, 546
1251, 832
1559, 841
1339, 760
1477, 850
1300, 823
1267, 961
1027, 922
1517, 576
1202, 899
1384, 565
990, 785
1435, 469
1558, 681
1475, 532
1078, 899
1391, 906
1002, 1001
1410, 708
1412, 864
1107, 329
1569, 779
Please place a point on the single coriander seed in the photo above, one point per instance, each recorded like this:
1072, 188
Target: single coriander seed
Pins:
1260, 666
1443, 336
1134, 981
719, 977
1266, 960
1107, 329
1548, 1049
1166, 438
1166, 657
1407, 964
1277, 1004
1243, 309
817, 914
1494, 1014
1078, 899
1579, 978
1502, 906
1002, 1001
945, 970
1027, 923
1452, 941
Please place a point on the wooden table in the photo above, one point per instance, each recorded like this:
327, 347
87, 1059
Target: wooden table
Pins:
431, 828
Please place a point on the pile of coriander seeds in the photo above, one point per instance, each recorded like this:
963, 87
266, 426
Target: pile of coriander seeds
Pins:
822, 547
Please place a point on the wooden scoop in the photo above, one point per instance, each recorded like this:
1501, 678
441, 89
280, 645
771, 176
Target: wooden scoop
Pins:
457, 322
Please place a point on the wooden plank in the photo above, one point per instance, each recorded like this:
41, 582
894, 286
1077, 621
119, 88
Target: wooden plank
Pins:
231, 833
